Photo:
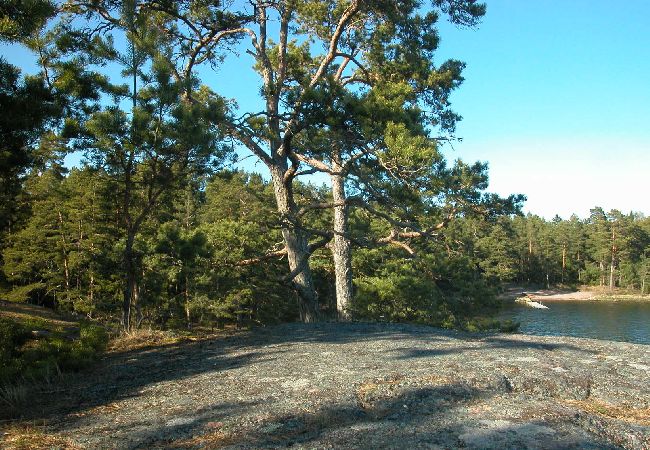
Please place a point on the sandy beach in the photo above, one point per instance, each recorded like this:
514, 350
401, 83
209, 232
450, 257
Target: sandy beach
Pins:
557, 294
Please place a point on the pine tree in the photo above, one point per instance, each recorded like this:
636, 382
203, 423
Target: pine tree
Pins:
295, 78
153, 146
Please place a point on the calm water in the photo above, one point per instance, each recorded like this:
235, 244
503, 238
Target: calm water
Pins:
617, 321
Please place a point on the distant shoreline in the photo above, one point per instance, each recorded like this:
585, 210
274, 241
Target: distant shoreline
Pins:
582, 294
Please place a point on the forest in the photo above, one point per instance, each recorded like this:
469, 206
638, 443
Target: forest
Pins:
359, 213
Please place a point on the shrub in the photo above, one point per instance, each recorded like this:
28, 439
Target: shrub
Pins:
93, 336
395, 298
509, 326
29, 359
12, 336
478, 324
22, 294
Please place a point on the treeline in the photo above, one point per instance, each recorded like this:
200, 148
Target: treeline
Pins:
211, 254
607, 249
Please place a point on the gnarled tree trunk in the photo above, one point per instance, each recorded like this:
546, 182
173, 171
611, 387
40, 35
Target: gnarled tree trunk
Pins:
297, 246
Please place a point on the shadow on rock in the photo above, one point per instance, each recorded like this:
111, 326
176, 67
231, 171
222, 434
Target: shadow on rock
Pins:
387, 413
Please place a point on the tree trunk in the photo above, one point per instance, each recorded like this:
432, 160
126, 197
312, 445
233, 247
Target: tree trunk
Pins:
613, 261
129, 287
297, 245
341, 250
135, 304
66, 269
186, 295
602, 273
530, 259
66, 272
563, 261
91, 286
129, 263
91, 289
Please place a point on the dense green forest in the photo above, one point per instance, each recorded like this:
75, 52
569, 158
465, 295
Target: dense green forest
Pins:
155, 227
606, 249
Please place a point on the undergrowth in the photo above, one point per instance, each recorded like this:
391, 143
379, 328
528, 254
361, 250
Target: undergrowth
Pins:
33, 351
477, 324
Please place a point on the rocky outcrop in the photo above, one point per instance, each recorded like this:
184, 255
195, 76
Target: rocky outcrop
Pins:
363, 386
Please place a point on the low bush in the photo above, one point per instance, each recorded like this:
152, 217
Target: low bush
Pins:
12, 336
24, 358
478, 324
93, 336
27, 360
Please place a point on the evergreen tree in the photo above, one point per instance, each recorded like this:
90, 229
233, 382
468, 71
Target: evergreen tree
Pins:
57, 257
19, 19
156, 144
375, 40
31, 105
499, 258
599, 244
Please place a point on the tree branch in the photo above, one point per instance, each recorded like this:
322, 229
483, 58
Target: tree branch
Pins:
321, 205
392, 239
347, 58
315, 163
271, 254
347, 15
301, 266
334, 41
243, 137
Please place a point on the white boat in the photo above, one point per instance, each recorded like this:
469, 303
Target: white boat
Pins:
537, 305
525, 300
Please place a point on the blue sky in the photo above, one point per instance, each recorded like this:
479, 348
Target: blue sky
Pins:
556, 98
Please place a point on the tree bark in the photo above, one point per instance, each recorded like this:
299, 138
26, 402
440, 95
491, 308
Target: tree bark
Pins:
186, 295
135, 305
297, 245
91, 289
601, 265
129, 263
530, 259
341, 250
